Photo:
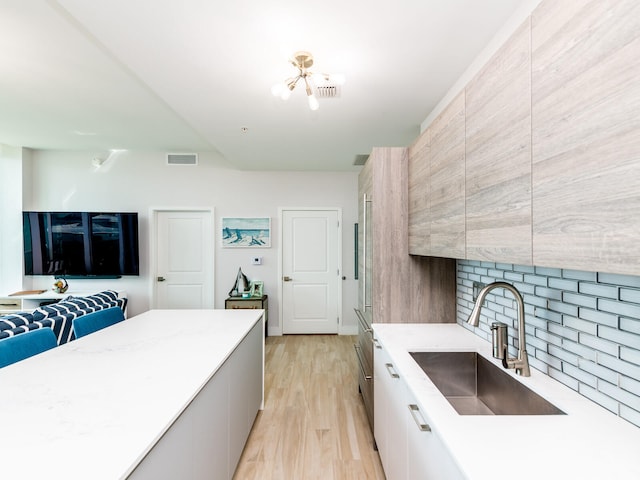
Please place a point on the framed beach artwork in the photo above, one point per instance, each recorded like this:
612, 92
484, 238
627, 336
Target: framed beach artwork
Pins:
252, 232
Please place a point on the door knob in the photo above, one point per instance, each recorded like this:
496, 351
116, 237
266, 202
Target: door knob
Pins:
287, 278
161, 279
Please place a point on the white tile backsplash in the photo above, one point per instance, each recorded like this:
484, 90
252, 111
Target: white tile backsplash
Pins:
583, 328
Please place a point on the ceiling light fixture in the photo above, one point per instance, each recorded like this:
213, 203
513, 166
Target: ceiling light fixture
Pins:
303, 61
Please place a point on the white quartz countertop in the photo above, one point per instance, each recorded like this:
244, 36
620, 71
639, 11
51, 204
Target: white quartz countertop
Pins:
588, 442
92, 408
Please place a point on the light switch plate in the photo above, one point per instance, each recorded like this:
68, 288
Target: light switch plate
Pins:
256, 260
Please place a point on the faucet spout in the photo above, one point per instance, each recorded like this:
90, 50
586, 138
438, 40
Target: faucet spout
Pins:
521, 362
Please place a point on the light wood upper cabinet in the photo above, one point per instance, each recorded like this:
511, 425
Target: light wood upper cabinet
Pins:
447, 181
419, 189
436, 186
498, 155
586, 135
551, 161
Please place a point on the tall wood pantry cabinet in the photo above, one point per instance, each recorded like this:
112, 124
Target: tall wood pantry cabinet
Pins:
394, 287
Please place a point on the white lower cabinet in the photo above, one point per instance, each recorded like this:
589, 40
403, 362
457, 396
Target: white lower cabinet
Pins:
390, 426
427, 457
409, 448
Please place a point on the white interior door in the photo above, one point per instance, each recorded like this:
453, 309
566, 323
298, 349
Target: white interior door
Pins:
184, 260
311, 282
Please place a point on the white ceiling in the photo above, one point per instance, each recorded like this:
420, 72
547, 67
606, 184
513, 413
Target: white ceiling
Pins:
187, 75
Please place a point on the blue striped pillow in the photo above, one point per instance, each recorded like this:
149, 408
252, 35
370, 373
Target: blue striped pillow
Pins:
14, 320
56, 309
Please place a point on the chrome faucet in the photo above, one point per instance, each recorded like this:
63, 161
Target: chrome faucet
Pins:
521, 363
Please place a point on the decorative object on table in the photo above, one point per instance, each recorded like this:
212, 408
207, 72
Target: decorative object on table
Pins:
60, 285
256, 289
252, 232
241, 285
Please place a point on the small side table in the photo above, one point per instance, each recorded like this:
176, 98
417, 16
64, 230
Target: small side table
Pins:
250, 303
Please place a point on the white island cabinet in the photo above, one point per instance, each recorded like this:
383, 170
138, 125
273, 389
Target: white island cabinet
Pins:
166, 394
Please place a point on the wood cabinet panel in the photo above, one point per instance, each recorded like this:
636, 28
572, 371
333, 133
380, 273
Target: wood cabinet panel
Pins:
586, 141
447, 181
405, 289
498, 155
432, 289
390, 227
419, 173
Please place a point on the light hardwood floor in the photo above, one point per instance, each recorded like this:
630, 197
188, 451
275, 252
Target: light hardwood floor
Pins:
313, 425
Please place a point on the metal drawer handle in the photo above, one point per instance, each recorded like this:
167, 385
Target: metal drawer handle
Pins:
376, 343
363, 322
391, 370
422, 425
364, 374
365, 202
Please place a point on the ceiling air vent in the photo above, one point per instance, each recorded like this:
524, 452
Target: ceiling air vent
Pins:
182, 159
328, 91
360, 159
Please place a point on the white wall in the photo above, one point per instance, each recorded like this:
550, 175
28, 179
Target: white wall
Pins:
11, 194
140, 181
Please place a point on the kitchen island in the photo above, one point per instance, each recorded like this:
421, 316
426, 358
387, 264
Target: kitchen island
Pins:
169, 391
587, 442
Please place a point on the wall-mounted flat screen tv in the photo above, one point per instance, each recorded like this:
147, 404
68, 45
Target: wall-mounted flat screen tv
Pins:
80, 244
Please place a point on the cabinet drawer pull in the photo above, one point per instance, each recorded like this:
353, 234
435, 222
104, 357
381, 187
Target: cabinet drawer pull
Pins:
360, 363
415, 412
365, 206
391, 370
376, 343
363, 322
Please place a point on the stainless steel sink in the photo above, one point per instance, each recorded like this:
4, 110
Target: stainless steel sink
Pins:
475, 386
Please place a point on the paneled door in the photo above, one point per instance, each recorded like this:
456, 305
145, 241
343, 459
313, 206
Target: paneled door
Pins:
184, 259
311, 281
